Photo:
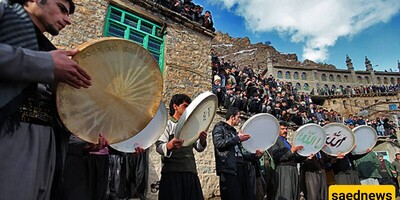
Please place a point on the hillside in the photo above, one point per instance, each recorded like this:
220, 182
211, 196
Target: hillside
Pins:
241, 51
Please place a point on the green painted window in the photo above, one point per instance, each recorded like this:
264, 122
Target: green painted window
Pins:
120, 23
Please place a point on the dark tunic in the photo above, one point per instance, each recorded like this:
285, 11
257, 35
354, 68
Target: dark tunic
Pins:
287, 175
344, 171
85, 175
179, 180
315, 178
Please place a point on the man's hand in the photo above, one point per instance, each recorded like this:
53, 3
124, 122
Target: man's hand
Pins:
175, 143
296, 148
243, 137
68, 71
138, 150
203, 138
259, 153
103, 142
340, 156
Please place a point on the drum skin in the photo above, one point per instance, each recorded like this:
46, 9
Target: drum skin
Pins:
148, 136
312, 137
339, 139
197, 117
125, 93
264, 131
366, 138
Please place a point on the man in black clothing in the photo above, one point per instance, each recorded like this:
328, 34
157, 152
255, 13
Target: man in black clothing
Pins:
230, 160
313, 172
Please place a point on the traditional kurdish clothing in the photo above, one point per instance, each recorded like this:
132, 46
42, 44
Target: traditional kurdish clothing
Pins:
27, 139
314, 174
287, 175
85, 173
179, 180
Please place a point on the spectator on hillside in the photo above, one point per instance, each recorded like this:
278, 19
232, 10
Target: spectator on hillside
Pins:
207, 21
187, 12
218, 90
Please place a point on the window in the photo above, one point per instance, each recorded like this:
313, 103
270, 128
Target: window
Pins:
346, 78
305, 87
385, 80
323, 77
338, 78
298, 86
379, 80
120, 23
315, 75
296, 75
287, 75
279, 75
303, 76
331, 78
366, 79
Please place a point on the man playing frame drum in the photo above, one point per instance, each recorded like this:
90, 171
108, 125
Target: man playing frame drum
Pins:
234, 179
286, 159
179, 178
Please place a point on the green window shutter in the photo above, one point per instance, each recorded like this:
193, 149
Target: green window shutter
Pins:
122, 24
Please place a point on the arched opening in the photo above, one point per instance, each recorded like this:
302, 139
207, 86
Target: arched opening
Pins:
359, 79
323, 77
385, 80
392, 81
298, 86
287, 75
346, 78
279, 74
296, 75
305, 87
366, 80
331, 78
379, 80
303, 76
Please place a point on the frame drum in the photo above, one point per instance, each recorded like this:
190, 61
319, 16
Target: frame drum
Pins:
148, 136
264, 130
124, 96
366, 138
196, 118
339, 139
312, 137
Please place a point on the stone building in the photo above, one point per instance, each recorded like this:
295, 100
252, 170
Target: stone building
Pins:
317, 77
180, 46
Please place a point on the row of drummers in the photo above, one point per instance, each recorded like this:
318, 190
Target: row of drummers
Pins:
333, 139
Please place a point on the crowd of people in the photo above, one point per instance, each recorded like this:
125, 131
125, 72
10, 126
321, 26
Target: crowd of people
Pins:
252, 94
360, 90
190, 10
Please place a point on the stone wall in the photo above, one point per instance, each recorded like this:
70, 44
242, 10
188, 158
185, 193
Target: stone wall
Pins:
87, 23
354, 105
